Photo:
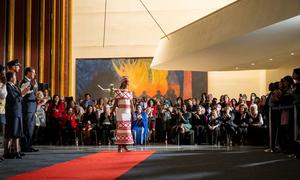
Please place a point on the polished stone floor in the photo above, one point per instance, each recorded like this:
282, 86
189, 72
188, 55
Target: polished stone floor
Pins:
173, 162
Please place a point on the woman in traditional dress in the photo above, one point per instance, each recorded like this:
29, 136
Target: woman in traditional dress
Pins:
124, 107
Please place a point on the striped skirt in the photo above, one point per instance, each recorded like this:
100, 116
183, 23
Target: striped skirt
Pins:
123, 133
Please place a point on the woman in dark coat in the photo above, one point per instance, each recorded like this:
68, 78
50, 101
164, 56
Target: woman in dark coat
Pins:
13, 108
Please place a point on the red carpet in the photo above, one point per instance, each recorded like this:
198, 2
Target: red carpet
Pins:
104, 165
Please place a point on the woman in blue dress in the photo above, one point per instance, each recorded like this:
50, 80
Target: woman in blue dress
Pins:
140, 126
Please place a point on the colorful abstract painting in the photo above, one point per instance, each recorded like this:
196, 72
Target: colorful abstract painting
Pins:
144, 81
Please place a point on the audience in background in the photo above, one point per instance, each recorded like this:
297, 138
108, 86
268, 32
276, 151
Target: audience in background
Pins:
190, 121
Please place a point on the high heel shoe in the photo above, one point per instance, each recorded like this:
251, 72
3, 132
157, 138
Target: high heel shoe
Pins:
17, 156
119, 148
125, 147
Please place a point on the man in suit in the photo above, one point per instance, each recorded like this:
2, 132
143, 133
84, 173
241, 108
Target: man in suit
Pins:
29, 108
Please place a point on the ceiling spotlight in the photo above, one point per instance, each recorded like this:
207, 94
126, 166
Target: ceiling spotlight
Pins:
252, 64
292, 54
270, 59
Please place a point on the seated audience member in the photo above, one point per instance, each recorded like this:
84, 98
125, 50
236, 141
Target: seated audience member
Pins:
40, 121
214, 124
253, 97
234, 105
241, 123
256, 132
166, 117
227, 128
107, 126
186, 119
55, 111
89, 125
186, 122
200, 124
139, 126
70, 127
226, 101
47, 96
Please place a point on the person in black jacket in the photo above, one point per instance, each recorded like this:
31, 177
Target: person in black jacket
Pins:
29, 108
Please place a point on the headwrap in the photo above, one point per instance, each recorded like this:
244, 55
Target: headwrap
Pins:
124, 79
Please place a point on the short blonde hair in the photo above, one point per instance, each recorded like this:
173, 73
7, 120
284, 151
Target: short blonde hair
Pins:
39, 95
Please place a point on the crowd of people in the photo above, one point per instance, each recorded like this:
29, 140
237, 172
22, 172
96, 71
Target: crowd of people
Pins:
34, 117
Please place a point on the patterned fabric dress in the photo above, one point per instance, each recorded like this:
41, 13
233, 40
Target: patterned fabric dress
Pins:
123, 116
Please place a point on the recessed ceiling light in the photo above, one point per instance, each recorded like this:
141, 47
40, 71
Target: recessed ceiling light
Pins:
252, 64
292, 54
270, 59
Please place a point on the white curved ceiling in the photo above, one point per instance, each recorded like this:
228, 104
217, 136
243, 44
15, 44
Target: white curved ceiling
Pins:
130, 31
256, 34
266, 48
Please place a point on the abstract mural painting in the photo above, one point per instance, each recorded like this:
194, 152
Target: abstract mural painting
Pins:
144, 81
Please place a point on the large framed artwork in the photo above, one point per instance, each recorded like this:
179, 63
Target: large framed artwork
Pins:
144, 81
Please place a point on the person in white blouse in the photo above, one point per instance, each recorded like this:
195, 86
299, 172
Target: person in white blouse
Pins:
3, 94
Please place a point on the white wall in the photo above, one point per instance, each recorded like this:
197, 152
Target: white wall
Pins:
235, 82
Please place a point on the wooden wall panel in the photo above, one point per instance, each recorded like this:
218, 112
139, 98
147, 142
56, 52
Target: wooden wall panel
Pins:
3, 30
35, 26
19, 33
38, 33
47, 45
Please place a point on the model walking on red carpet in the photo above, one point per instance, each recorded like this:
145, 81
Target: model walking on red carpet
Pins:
124, 107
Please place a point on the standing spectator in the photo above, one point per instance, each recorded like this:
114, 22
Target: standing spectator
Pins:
296, 77
152, 115
29, 109
13, 115
87, 101
296, 94
3, 94
286, 119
